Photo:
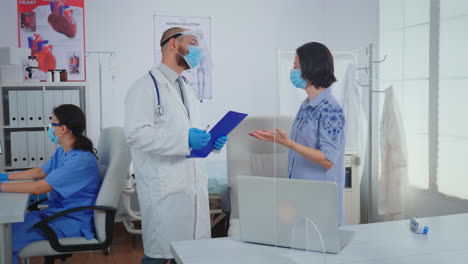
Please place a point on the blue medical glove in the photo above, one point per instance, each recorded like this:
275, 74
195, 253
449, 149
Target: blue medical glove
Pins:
220, 142
3, 177
198, 139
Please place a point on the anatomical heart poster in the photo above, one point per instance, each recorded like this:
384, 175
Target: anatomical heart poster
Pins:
54, 31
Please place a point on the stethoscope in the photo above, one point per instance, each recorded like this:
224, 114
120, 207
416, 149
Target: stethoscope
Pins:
160, 108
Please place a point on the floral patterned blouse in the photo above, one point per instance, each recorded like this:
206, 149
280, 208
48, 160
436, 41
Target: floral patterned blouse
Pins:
320, 124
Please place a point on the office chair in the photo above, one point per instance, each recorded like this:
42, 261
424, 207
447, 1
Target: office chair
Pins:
114, 160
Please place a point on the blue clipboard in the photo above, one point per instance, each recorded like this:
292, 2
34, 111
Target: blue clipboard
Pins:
222, 128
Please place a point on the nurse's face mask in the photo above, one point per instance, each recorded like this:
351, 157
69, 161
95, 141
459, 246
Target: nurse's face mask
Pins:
51, 133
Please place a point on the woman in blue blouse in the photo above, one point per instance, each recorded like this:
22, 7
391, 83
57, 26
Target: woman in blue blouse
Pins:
71, 177
317, 141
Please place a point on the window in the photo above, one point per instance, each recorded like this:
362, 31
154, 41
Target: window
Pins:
408, 30
452, 175
404, 37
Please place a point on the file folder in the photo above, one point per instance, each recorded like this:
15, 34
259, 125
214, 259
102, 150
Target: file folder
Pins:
39, 112
32, 149
222, 128
22, 110
58, 98
76, 98
67, 97
41, 148
22, 145
15, 152
49, 102
31, 108
13, 107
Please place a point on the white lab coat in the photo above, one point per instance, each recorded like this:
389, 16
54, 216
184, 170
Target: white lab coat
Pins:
356, 124
172, 190
394, 157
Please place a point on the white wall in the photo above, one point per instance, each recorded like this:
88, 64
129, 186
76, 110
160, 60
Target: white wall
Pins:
8, 24
245, 37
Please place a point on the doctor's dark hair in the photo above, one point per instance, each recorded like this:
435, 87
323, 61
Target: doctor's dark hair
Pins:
316, 63
73, 117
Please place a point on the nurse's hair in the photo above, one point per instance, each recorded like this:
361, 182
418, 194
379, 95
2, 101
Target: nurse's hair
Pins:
316, 63
73, 117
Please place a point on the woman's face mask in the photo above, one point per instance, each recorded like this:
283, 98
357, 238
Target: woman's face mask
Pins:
51, 134
296, 79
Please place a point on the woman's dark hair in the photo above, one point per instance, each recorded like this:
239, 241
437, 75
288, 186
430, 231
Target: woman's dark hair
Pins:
73, 117
316, 63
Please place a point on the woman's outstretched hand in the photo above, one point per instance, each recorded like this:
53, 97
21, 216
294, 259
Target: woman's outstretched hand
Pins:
279, 136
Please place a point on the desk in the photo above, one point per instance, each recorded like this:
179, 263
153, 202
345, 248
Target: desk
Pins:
381, 243
12, 210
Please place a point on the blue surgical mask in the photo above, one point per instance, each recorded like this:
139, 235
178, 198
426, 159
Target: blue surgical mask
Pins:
296, 79
193, 57
52, 137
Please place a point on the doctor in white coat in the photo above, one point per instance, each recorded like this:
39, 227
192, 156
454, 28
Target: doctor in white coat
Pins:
162, 126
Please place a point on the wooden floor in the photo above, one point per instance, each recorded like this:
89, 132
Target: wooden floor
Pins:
125, 249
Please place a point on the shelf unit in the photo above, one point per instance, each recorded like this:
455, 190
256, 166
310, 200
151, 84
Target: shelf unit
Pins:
25, 111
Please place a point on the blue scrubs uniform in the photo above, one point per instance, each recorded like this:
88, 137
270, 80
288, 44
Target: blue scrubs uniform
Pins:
75, 180
320, 124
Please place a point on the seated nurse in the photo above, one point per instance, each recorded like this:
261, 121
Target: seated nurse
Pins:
71, 177
317, 141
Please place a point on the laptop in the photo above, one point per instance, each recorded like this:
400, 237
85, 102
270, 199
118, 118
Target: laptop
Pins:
272, 211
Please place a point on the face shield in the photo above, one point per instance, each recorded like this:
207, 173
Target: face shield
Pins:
198, 59
197, 48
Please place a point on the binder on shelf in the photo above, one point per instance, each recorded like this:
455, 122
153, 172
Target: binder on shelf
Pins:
32, 149
67, 97
22, 145
41, 148
22, 110
39, 112
76, 97
15, 151
49, 105
13, 107
58, 97
31, 108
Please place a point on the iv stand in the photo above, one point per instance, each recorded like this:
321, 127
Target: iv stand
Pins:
99, 53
